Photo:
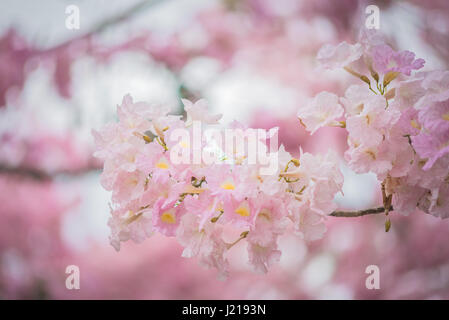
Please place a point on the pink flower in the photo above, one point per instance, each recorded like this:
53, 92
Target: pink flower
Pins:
432, 142
269, 223
410, 92
261, 258
370, 38
408, 122
332, 57
128, 186
225, 183
203, 205
387, 60
195, 239
148, 157
326, 180
430, 147
322, 111
205, 242
126, 154
126, 225
373, 121
214, 255
198, 112
162, 169
132, 115
308, 223
240, 213
191, 236
440, 201
166, 216
402, 153
406, 197
430, 178
103, 139
355, 98
434, 88
365, 158
369, 128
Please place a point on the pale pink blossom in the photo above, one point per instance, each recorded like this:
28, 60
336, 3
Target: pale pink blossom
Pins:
166, 216
205, 242
355, 99
432, 142
406, 197
128, 186
241, 213
430, 178
365, 158
409, 92
308, 223
321, 111
198, 111
373, 122
135, 225
434, 88
339, 56
261, 258
440, 201
270, 222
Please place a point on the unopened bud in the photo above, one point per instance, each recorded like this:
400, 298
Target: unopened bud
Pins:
295, 162
244, 234
365, 79
390, 76
387, 225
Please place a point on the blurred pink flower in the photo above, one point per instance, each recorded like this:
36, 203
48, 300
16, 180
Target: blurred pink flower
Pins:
387, 60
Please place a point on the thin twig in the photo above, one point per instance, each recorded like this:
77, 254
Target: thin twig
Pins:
39, 174
359, 213
110, 21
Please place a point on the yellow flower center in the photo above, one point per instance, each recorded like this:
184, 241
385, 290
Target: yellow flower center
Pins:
415, 124
184, 144
446, 116
242, 210
228, 185
162, 165
265, 213
133, 182
168, 217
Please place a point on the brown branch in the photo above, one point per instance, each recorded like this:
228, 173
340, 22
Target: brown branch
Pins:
359, 213
110, 21
39, 174
127, 13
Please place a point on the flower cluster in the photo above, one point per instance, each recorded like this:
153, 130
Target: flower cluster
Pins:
208, 207
397, 122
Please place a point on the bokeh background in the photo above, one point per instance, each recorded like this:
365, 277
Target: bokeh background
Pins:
254, 60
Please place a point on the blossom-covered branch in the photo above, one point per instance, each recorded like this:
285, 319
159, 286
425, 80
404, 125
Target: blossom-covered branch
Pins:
397, 122
160, 182
199, 203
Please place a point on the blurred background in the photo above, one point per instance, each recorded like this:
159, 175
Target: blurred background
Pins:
254, 60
